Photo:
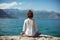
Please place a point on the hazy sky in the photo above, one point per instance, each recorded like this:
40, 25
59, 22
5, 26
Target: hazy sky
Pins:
46, 5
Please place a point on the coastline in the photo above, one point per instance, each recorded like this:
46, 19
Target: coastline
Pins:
17, 37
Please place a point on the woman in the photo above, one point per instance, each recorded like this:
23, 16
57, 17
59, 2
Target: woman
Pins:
29, 27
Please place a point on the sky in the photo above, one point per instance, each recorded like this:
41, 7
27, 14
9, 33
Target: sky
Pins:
45, 5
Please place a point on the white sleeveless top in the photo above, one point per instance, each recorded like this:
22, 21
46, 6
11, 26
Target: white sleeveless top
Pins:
29, 27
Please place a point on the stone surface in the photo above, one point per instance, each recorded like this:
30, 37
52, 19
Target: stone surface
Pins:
42, 37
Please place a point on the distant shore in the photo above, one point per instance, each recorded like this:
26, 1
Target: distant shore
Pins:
17, 37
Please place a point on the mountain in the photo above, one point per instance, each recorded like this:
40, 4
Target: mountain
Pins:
16, 13
4, 14
46, 15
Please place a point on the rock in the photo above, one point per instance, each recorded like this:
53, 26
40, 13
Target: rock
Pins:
42, 37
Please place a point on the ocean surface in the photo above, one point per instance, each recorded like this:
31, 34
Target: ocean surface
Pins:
45, 26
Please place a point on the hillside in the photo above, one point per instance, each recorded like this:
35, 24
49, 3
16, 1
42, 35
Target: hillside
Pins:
4, 14
16, 13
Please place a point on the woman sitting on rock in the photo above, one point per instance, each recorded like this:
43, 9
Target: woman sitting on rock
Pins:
29, 27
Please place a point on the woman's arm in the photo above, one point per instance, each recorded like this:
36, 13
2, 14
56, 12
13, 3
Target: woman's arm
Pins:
35, 27
24, 27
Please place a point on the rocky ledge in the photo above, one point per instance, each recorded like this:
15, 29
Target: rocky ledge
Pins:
41, 37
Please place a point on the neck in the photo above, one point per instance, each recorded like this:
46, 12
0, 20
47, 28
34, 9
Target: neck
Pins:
30, 18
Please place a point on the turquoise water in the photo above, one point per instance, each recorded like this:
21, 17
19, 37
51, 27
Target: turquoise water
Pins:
45, 26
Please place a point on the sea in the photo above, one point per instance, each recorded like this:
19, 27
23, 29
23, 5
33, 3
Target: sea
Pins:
11, 27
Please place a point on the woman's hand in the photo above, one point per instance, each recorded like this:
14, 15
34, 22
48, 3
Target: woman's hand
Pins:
23, 33
37, 33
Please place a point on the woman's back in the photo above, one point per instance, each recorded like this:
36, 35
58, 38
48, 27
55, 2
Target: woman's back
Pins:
29, 30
